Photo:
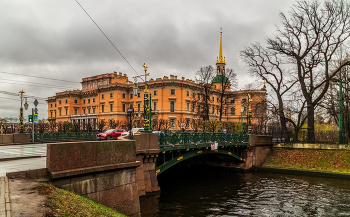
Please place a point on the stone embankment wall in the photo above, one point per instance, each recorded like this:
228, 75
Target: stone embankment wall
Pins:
14, 138
113, 173
102, 171
147, 151
260, 148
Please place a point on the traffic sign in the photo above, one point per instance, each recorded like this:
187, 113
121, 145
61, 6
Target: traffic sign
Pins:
130, 110
35, 117
30, 118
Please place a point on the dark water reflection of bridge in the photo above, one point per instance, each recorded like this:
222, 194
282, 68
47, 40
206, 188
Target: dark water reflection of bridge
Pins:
203, 192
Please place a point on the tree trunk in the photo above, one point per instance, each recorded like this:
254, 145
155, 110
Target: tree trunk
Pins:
296, 136
310, 123
220, 111
282, 119
284, 130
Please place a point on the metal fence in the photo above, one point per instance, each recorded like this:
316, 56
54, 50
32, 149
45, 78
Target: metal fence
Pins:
194, 138
329, 137
68, 136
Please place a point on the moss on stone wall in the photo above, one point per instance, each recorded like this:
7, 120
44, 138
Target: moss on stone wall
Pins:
337, 161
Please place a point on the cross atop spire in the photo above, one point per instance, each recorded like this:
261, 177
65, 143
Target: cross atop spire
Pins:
221, 59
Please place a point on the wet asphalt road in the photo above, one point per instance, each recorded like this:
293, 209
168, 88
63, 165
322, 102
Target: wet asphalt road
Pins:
19, 151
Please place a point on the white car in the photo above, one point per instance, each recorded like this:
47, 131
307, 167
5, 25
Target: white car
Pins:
134, 131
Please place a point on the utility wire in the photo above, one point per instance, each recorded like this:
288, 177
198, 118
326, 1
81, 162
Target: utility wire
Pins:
18, 100
108, 39
24, 96
8, 98
34, 83
11, 73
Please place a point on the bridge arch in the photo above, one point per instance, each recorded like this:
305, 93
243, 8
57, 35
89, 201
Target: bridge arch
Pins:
161, 168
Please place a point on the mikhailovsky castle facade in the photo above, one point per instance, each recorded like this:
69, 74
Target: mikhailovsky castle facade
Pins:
108, 96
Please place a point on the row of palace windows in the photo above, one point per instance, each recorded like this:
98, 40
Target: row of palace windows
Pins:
172, 109
59, 112
88, 101
124, 107
172, 92
75, 101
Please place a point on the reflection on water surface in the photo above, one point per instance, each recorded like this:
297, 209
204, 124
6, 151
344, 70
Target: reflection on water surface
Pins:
199, 192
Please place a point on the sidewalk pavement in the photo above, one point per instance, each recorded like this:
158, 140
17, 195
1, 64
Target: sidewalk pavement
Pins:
22, 157
5, 206
16, 152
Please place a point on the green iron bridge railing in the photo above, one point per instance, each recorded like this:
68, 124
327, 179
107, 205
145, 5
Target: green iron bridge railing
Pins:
68, 136
175, 148
176, 139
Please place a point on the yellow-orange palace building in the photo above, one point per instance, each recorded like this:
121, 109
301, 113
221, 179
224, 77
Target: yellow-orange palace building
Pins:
108, 96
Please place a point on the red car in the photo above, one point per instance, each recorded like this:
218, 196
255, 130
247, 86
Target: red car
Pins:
110, 134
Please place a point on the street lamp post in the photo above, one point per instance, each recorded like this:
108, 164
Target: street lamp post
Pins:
130, 113
340, 115
21, 128
249, 119
242, 110
147, 110
35, 117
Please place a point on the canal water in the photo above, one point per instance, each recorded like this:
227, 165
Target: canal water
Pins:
206, 192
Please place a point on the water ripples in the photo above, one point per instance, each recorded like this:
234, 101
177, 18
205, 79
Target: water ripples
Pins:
226, 193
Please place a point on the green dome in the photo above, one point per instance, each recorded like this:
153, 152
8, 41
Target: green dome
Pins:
221, 79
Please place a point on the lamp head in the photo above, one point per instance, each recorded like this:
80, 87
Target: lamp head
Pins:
135, 89
26, 105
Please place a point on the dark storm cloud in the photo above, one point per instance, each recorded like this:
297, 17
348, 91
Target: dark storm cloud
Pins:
57, 39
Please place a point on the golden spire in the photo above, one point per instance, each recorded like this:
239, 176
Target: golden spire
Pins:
221, 59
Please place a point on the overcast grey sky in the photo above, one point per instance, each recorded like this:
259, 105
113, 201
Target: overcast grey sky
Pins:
56, 39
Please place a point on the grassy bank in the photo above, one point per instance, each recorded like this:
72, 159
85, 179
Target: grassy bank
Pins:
65, 203
336, 161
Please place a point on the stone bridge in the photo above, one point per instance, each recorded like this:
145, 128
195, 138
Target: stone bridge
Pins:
116, 173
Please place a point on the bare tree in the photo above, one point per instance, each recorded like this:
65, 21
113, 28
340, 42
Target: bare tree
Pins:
101, 125
41, 126
165, 124
308, 39
113, 124
155, 124
76, 126
52, 126
336, 103
195, 121
268, 65
3, 126
205, 77
228, 81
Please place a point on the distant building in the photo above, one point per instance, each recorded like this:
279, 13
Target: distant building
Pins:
108, 96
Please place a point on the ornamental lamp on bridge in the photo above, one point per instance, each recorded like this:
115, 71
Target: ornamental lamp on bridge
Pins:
26, 104
135, 89
147, 110
242, 110
249, 118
